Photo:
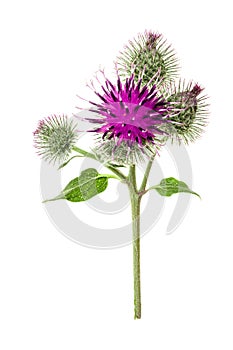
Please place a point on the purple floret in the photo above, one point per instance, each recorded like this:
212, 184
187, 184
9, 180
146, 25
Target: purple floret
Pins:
130, 112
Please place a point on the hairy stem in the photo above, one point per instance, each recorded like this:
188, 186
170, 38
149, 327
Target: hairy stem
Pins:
116, 172
146, 175
108, 166
84, 153
135, 209
135, 198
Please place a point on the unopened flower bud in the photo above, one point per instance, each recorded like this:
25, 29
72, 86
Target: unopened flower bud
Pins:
55, 137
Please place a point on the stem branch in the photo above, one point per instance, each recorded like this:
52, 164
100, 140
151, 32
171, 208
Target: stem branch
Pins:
146, 175
85, 153
116, 171
108, 166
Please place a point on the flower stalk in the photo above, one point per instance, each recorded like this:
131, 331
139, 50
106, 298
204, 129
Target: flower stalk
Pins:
135, 207
117, 172
135, 200
146, 175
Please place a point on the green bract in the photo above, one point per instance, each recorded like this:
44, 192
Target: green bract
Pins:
190, 112
121, 155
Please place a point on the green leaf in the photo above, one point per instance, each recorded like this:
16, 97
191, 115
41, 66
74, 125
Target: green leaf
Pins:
87, 185
64, 164
170, 185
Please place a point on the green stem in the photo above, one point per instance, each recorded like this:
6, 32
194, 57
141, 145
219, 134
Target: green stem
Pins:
116, 171
146, 175
135, 208
108, 166
85, 153
135, 198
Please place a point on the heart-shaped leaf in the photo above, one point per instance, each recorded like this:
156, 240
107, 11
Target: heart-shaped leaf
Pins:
170, 186
87, 185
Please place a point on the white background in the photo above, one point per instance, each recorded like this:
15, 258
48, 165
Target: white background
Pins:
56, 294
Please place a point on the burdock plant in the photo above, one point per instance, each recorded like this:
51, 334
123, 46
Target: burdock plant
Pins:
132, 119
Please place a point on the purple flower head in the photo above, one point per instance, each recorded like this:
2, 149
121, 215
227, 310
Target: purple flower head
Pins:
129, 114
